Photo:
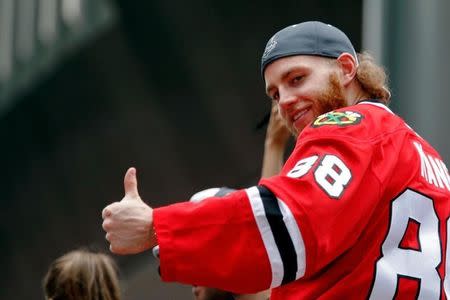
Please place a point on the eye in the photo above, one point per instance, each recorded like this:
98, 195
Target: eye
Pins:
296, 79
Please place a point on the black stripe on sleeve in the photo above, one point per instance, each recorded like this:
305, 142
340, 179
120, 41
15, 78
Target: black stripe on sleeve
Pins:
280, 233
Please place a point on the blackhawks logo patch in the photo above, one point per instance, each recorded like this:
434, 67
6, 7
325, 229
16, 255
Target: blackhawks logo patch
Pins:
339, 118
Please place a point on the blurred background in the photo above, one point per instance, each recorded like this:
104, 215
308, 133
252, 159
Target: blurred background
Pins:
89, 88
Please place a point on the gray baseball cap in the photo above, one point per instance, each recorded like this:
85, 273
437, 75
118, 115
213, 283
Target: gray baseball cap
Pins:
307, 38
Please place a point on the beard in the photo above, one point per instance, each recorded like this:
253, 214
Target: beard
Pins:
331, 98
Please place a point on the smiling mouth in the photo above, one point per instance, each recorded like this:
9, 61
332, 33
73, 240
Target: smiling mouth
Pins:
298, 115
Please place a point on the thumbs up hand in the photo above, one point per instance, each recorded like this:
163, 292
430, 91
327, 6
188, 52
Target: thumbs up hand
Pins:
129, 223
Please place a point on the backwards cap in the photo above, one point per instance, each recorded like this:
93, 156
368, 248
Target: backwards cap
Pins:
307, 38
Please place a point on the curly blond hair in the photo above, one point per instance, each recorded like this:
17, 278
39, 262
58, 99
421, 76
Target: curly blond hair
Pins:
372, 78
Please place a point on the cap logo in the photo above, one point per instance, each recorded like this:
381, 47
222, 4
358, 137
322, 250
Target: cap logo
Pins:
270, 46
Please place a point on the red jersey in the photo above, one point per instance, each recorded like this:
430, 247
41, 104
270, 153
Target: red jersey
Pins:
359, 211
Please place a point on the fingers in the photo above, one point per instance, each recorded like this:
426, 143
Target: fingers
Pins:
109, 210
117, 250
114, 248
106, 225
106, 212
130, 184
114, 244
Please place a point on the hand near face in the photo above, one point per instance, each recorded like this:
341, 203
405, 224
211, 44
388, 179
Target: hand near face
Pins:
277, 133
129, 223
277, 137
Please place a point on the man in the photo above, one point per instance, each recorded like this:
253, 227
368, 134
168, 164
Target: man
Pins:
359, 210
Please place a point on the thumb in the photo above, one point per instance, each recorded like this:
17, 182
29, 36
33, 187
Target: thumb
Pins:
130, 184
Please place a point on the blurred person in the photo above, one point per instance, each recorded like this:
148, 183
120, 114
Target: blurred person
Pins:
359, 202
82, 275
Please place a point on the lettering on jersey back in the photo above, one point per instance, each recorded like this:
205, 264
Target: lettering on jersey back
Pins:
433, 169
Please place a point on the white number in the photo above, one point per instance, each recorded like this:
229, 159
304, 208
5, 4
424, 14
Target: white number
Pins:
419, 264
332, 175
302, 167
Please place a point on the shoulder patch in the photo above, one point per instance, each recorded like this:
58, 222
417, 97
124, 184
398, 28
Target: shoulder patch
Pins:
338, 118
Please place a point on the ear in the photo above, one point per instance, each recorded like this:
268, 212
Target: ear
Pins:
348, 66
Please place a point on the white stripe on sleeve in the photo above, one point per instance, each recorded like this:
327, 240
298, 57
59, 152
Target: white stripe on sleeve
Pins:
296, 236
267, 236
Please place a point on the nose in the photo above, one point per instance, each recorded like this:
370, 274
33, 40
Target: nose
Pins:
286, 100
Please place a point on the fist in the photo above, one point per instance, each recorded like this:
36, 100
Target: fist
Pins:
277, 132
129, 223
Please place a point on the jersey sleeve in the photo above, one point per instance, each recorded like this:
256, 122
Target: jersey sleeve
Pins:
214, 243
287, 227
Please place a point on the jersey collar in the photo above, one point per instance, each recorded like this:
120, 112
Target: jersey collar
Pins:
375, 102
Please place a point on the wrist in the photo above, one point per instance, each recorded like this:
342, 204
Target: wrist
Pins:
274, 143
274, 147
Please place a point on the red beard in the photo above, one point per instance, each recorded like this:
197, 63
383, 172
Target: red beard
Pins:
332, 97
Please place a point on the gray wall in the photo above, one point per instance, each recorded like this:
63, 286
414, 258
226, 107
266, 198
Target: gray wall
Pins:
411, 38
